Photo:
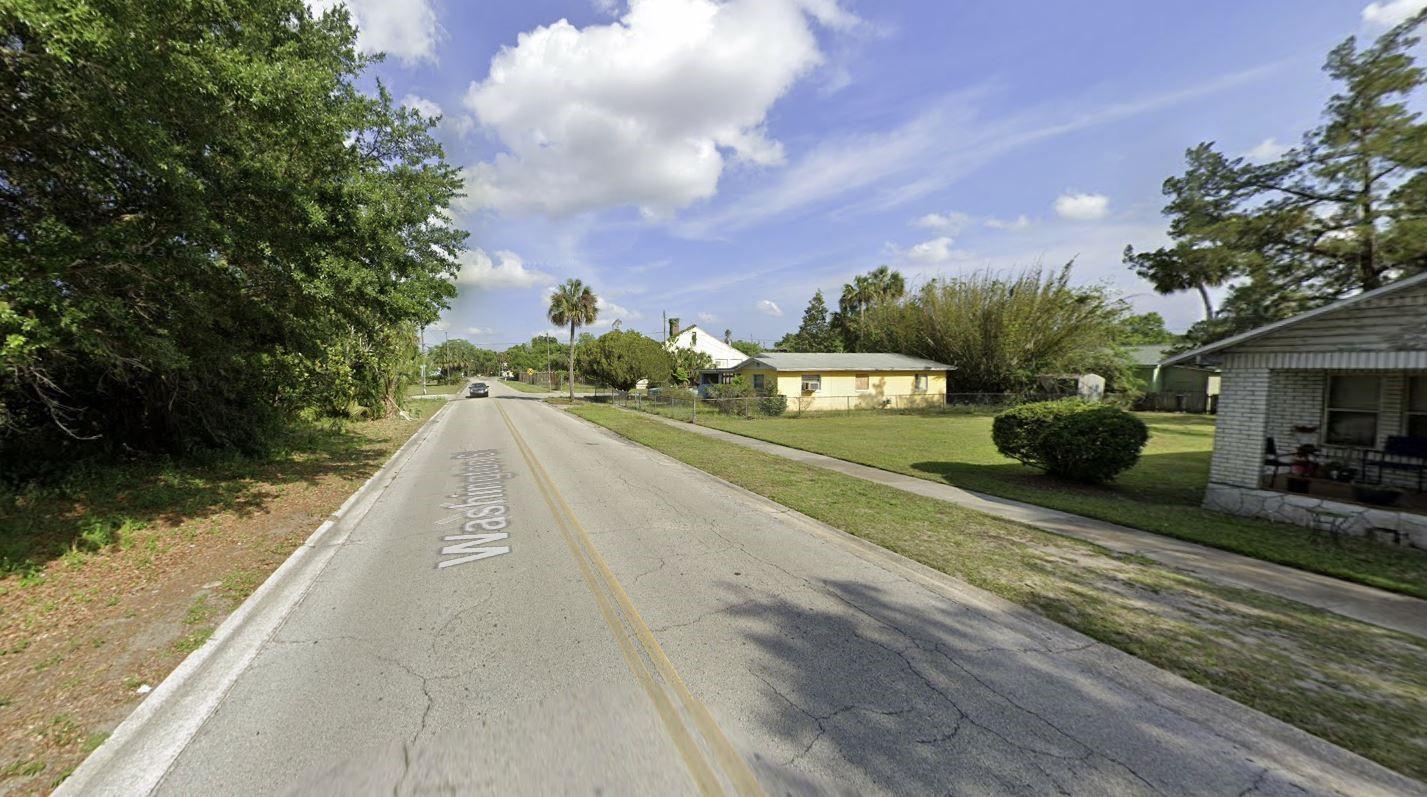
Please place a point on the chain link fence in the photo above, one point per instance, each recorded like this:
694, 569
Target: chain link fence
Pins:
685, 405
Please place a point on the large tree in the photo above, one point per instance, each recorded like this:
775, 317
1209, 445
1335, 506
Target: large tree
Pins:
1003, 332
1344, 211
815, 333
1145, 329
575, 305
197, 206
865, 291
620, 359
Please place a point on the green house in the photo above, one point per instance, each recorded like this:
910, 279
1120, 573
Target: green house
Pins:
1180, 388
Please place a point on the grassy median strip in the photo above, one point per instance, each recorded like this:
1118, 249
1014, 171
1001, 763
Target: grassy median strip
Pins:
1160, 494
1359, 686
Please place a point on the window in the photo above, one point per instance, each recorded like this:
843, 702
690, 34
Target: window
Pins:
1416, 406
919, 383
812, 383
693, 339
1353, 403
863, 382
758, 381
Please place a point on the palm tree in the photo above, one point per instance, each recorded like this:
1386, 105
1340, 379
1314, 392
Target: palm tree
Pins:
573, 303
886, 285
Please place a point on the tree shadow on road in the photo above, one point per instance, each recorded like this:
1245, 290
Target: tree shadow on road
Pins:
889, 692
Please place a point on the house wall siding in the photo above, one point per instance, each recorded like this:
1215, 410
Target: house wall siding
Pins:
699, 339
839, 389
1396, 323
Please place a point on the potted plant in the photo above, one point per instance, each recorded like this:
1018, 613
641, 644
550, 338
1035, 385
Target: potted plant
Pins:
1376, 494
1303, 463
1337, 470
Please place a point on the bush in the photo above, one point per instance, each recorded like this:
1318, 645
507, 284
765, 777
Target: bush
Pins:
1018, 430
731, 398
773, 404
1071, 438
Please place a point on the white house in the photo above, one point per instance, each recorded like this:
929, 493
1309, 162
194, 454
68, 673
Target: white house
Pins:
1323, 416
692, 337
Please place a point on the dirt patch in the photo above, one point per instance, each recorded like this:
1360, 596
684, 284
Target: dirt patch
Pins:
85, 637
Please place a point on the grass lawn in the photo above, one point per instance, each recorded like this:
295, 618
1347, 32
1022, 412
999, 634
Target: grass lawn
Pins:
1359, 686
110, 577
1160, 494
579, 388
433, 389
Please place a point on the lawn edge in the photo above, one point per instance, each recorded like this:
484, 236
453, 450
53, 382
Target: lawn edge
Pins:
1419, 593
1189, 699
92, 771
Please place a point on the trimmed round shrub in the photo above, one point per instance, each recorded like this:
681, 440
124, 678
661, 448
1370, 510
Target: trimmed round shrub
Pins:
1071, 438
1017, 431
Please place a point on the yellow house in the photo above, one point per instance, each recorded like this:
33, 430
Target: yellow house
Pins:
816, 381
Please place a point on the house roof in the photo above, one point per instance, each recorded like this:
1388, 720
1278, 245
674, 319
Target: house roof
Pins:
709, 341
1276, 326
841, 361
1146, 355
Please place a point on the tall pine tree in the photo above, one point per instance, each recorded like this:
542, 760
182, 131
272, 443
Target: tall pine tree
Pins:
1345, 211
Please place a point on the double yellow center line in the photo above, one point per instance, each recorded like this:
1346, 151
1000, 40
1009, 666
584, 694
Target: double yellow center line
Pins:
688, 721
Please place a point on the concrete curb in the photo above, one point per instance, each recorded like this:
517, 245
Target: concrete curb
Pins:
135, 758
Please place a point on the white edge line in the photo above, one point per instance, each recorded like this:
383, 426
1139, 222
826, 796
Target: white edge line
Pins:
92, 776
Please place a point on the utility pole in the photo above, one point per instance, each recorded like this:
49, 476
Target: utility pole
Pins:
423, 359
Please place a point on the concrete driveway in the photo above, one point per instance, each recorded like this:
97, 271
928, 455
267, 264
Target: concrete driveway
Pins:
624, 624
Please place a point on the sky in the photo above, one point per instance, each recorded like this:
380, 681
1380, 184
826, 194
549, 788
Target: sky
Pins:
720, 160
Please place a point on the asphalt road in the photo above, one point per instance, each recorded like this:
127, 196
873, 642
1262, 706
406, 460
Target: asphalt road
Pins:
601, 619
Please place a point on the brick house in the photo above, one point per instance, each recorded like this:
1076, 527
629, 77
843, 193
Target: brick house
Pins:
1323, 416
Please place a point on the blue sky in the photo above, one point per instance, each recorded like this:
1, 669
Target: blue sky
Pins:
720, 160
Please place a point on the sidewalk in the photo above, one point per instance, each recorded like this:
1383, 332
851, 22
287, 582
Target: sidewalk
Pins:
1379, 607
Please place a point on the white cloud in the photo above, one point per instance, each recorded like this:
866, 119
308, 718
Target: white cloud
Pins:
404, 29
1017, 224
1267, 150
768, 307
507, 271
1082, 207
1392, 12
609, 312
461, 124
643, 111
937, 250
950, 223
927, 253
938, 146
707, 318
422, 105
479, 332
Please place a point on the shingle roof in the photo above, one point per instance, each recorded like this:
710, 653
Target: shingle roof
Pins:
1235, 340
1147, 355
841, 361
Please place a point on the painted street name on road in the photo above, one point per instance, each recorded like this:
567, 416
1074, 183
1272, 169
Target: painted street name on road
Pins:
483, 505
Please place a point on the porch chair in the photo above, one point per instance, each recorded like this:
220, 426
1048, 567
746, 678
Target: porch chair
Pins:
1410, 453
1271, 459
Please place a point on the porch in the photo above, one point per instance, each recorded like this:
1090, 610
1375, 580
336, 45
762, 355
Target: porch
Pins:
1339, 448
